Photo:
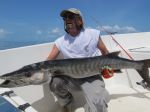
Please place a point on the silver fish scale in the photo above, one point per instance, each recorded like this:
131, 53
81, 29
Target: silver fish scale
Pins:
86, 68
68, 69
104, 62
83, 68
93, 65
73, 69
80, 68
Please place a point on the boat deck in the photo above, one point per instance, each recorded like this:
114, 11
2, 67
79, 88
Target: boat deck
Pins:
125, 94
125, 99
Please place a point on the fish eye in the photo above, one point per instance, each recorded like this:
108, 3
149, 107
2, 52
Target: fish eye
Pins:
28, 74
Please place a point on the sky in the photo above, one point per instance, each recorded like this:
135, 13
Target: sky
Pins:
40, 21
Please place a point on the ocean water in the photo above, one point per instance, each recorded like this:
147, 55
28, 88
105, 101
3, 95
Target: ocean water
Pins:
14, 44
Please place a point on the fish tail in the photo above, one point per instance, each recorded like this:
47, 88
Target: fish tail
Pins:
144, 73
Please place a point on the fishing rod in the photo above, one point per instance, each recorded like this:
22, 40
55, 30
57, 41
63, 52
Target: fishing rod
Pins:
110, 34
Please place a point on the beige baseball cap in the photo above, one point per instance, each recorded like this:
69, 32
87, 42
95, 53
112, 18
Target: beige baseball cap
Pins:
71, 10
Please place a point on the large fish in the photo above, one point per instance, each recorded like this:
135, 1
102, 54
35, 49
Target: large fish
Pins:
40, 72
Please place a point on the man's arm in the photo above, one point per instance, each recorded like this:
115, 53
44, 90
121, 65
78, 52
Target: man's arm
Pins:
106, 71
54, 53
101, 46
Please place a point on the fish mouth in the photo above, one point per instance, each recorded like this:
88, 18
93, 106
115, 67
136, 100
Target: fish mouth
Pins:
35, 79
11, 84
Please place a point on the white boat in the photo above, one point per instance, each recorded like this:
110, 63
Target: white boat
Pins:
125, 94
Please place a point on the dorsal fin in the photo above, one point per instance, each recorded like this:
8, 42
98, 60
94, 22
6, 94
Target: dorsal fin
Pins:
116, 53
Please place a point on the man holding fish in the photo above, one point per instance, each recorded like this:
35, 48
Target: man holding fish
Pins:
79, 42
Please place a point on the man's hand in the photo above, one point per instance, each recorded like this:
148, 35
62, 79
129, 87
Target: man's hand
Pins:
107, 72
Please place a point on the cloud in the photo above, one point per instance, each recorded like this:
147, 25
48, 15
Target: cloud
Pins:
47, 34
56, 32
118, 29
39, 32
3, 33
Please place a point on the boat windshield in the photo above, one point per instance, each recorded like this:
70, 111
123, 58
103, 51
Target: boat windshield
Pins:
6, 106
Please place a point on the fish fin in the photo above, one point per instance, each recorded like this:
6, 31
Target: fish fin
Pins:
144, 72
116, 53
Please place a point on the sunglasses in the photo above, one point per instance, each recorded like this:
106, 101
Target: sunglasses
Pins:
70, 16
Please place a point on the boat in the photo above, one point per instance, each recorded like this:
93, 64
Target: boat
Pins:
125, 94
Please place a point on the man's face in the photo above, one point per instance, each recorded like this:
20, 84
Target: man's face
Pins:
71, 23
69, 20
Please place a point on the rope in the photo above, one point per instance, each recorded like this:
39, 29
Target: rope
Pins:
109, 33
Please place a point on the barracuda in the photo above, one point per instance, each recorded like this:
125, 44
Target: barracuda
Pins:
40, 72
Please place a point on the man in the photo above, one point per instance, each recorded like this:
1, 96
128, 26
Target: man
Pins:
76, 43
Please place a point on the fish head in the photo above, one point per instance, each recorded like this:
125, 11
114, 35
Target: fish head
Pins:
24, 78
